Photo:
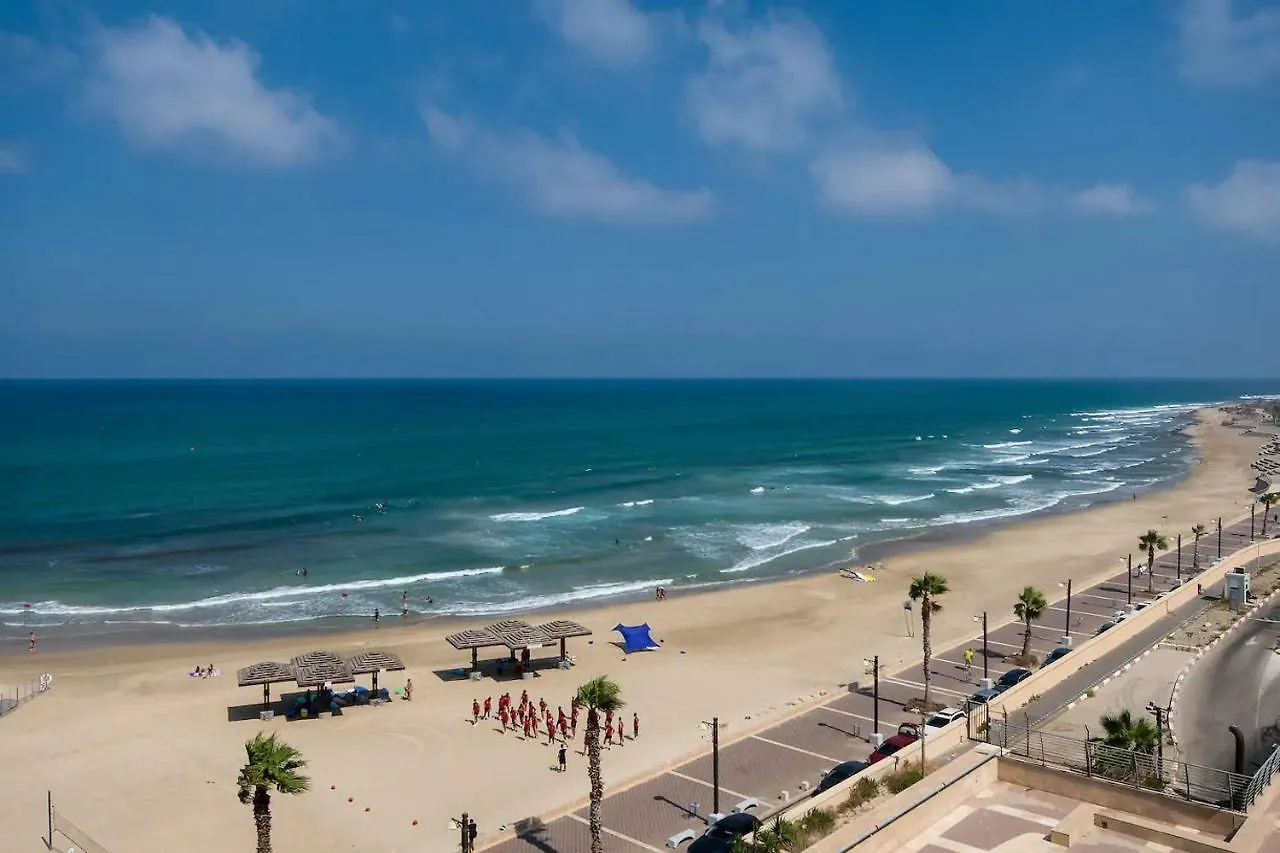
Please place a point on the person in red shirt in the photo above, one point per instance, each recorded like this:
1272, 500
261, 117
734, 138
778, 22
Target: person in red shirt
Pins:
635, 726
505, 719
551, 730
488, 706
608, 734
475, 712
574, 719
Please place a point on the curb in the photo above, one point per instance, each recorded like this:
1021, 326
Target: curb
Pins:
1177, 683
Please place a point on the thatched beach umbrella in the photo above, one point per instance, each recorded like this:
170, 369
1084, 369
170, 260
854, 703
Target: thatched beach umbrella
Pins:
563, 629
474, 639
314, 668
265, 673
373, 663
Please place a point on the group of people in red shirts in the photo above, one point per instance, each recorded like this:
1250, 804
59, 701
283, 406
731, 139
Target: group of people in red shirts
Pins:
534, 720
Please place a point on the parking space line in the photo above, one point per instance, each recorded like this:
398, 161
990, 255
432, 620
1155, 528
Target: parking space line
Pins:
688, 778
796, 749
1078, 609
883, 723
617, 834
932, 687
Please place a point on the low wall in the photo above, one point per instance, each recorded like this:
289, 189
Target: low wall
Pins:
900, 818
1090, 650
1111, 795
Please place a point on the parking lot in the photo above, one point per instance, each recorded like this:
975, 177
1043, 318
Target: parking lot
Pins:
800, 749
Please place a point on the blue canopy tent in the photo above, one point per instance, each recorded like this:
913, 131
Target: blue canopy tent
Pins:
636, 638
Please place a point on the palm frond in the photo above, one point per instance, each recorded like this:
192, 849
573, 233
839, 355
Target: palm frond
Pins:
600, 694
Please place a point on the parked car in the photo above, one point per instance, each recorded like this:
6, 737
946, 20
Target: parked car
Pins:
982, 697
720, 836
838, 774
908, 733
1057, 654
1104, 627
1011, 678
942, 719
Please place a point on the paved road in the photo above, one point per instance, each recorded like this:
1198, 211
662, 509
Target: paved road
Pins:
801, 749
1238, 683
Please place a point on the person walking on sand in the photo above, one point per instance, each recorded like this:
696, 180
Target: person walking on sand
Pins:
488, 706
635, 725
573, 722
408, 689
377, 617
968, 664
608, 734
32, 642
563, 757
551, 730
404, 603
475, 711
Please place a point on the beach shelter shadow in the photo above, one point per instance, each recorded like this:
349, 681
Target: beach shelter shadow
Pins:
636, 638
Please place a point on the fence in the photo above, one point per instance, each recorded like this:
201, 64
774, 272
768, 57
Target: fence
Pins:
1261, 779
79, 840
12, 697
1152, 772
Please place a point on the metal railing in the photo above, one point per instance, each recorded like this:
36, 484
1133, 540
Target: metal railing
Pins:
1148, 771
59, 827
1261, 779
12, 697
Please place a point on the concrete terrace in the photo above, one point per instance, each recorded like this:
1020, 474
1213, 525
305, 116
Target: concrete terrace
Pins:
800, 749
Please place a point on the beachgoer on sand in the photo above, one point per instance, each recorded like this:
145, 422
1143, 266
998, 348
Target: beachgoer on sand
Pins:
32, 642
408, 689
377, 617
488, 706
635, 726
563, 756
475, 711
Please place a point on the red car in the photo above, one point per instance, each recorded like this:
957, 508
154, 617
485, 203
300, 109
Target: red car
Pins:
908, 733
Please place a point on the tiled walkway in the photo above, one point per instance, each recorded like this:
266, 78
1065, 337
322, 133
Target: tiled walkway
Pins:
800, 749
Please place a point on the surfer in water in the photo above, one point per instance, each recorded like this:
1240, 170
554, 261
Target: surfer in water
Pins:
302, 573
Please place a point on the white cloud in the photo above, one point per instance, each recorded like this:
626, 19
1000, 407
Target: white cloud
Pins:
610, 32
167, 89
1248, 200
1116, 200
561, 177
766, 82
11, 160
911, 181
1223, 49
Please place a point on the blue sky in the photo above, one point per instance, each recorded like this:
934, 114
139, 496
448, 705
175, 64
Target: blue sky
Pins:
612, 188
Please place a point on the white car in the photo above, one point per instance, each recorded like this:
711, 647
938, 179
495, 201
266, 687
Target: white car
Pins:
941, 720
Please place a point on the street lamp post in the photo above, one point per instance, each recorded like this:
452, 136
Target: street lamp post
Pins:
1253, 508
1219, 537
983, 617
1160, 718
1129, 580
1067, 631
1179, 558
715, 765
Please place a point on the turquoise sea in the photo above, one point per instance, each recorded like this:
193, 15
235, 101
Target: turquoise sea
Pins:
196, 504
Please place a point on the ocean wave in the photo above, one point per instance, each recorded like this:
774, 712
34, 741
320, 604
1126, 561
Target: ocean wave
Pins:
538, 602
759, 537
992, 483
536, 516
298, 592
630, 504
1003, 444
1143, 411
758, 490
759, 559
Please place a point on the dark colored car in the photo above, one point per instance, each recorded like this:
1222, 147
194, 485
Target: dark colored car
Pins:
1104, 627
1011, 678
720, 836
982, 697
1057, 654
838, 774
907, 734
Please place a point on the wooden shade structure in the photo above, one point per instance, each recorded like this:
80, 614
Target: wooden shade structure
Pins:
314, 668
265, 673
516, 634
372, 663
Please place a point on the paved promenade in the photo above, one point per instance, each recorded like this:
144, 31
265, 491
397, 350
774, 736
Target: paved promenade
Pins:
779, 758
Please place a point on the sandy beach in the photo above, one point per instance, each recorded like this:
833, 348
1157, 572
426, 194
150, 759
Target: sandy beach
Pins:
144, 758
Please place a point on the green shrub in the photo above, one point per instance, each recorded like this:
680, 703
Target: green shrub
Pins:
863, 791
818, 822
900, 780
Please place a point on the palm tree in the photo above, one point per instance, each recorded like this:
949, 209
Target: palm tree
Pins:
598, 696
1152, 541
927, 589
1197, 531
1268, 500
1029, 607
272, 764
1124, 732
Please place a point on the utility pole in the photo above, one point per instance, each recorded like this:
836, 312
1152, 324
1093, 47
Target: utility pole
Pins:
1219, 537
715, 764
464, 827
1253, 508
1067, 631
1179, 558
1129, 590
985, 674
1159, 715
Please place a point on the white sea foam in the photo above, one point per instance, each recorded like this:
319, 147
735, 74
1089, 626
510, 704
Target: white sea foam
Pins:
630, 504
536, 516
536, 602
1003, 444
759, 537
992, 483
895, 500
1015, 431
297, 592
758, 490
760, 558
